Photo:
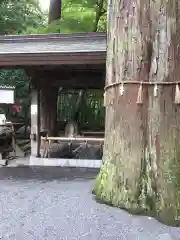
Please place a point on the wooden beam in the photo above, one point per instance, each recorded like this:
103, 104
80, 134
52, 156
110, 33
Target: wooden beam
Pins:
54, 36
36, 59
93, 133
79, 84
68, 73
81, 139
74, 67
71, 79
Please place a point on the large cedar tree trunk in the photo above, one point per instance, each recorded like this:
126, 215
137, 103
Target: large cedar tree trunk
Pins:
141, 163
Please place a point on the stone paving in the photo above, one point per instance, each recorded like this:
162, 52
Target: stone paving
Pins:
53, 204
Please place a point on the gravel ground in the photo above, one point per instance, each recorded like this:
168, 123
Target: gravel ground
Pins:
39, 205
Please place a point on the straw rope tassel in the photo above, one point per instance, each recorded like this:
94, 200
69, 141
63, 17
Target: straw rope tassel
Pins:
177, 95
105, 99
140, 95
121, 89
112, 97
155, 90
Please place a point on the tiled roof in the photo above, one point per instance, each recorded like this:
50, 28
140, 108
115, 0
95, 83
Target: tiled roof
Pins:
53, 43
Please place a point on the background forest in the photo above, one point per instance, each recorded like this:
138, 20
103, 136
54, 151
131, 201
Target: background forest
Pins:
27, 17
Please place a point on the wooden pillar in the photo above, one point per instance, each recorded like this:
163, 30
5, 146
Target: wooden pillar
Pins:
38, 124
35, 122
49, 96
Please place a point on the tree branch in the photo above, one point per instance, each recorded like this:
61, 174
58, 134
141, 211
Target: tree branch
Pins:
99, 13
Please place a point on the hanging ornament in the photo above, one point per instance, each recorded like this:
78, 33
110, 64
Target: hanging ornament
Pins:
105, 99
155, 90
111, 101
140, 95
112, 94
121, 89
177, 95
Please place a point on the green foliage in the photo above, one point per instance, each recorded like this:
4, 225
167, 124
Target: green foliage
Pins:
77, 16
17, 78
17, 15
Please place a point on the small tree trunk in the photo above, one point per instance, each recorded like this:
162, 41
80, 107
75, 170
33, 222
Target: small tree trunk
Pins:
54, 10
140, 169
49, 94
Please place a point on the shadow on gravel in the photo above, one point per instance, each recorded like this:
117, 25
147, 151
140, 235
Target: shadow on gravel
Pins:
47, 173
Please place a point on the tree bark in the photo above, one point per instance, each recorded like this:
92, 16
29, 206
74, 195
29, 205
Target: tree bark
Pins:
140, 170
54, 10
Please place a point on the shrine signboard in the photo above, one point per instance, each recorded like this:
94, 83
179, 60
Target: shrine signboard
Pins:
7, 95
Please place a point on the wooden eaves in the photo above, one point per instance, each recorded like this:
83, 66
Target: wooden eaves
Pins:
52, 49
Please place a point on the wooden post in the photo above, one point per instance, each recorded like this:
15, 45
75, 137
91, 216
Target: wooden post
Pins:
49, 96
38, 123
35, 125
13, 141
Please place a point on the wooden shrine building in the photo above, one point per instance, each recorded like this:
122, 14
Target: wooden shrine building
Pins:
54, 61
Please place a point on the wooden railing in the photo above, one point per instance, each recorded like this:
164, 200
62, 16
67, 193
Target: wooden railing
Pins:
67, 139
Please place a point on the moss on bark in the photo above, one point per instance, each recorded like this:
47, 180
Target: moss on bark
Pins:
159, 199
114, 185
